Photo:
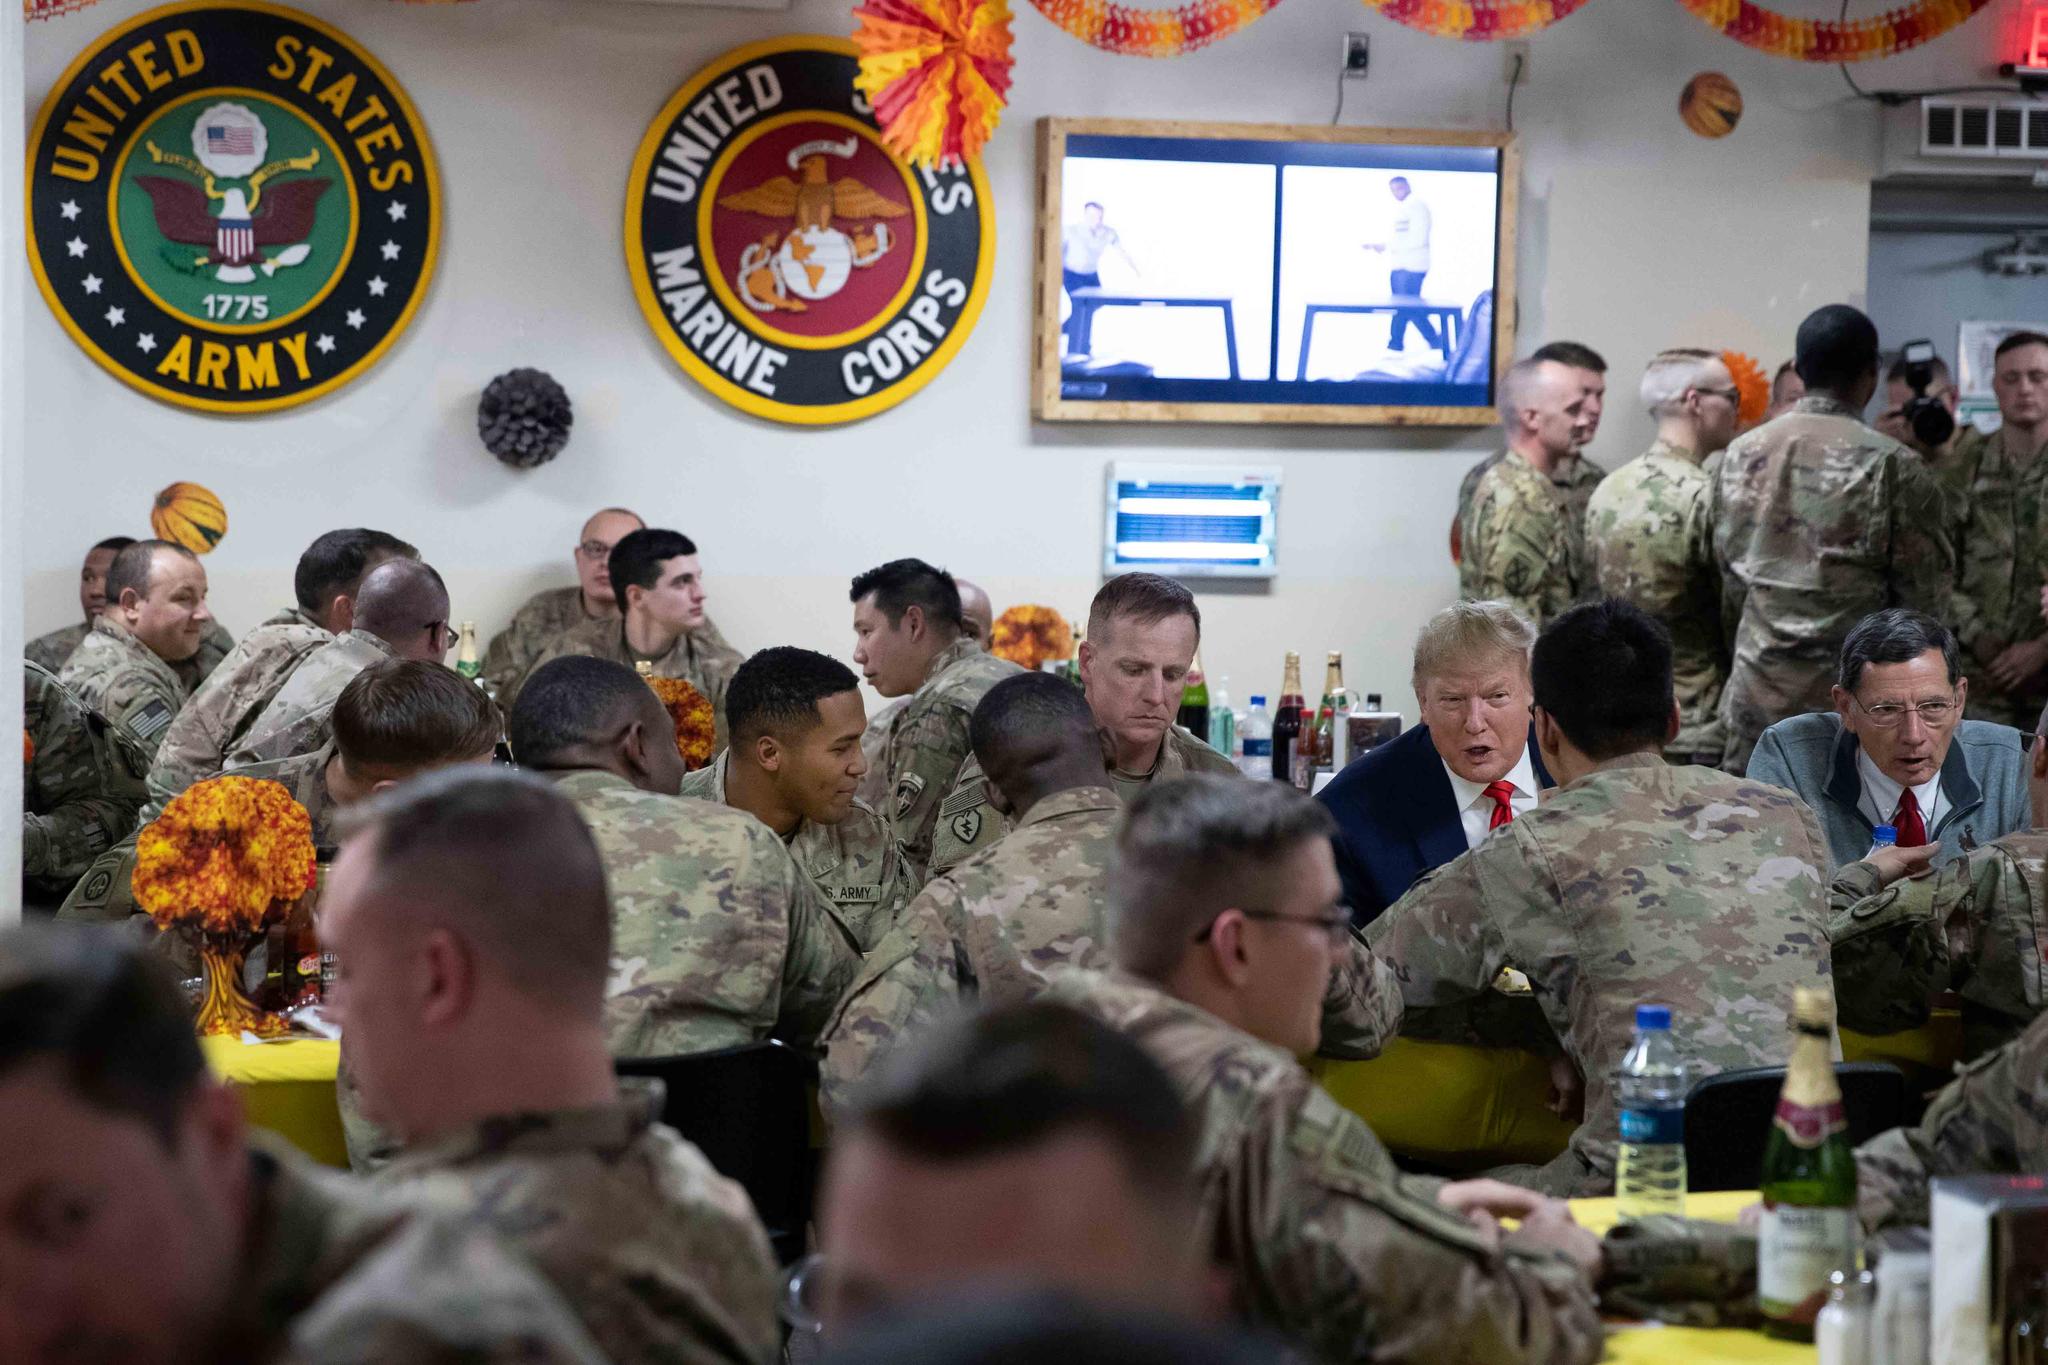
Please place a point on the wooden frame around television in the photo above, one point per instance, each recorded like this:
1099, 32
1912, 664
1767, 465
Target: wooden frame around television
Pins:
1048, 405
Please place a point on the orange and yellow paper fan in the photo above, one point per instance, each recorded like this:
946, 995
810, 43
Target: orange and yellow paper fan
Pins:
1752, 387
937, 73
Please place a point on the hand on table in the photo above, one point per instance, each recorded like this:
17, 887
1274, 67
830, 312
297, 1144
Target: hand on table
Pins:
1895, 863
1490, 1198
1552, 1228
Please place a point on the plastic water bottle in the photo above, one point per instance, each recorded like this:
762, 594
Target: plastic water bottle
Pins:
1257, 760
1881, 838
1222, 722
1649, 1172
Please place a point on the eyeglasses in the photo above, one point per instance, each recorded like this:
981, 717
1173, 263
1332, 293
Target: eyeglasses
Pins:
1337, 926
1732, 395
1889, 715
594, 549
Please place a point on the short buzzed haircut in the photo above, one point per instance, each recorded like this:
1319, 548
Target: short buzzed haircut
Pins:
1895, 635
2017, 340
1575, 354
1602, 671
135, 566
777, 691
987, 1084
503, 858
409, 713
334, 564
637, 559
1466, 634
1670, 374
1836, 348
114, 543
1518, 388
571, 702
108, 1012
1029, 718
400, 598
1191, 848
1142, 598
902, 584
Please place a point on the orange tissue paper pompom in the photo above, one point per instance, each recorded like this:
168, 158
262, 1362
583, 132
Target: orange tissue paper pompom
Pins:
1030, 635
227, 856
695, 721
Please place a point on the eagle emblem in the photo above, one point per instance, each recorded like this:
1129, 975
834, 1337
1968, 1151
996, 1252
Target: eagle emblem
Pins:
229, 143
813, 260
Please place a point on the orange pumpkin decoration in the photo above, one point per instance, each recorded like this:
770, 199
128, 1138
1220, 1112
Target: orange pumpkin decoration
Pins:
1711, 105
190, 515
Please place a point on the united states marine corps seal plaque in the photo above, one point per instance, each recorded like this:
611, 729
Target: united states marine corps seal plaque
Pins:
231, 206
784, 257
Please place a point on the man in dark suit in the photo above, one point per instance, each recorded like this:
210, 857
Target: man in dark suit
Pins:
1442, 787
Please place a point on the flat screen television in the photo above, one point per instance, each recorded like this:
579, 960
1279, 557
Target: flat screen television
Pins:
1262, 273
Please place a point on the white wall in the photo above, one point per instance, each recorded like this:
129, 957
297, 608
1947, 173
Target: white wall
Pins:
1922, 284
1635, 235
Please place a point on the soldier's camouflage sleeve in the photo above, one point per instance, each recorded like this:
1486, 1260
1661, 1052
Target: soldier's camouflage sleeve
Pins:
1967, 617
1992, 1119
142, 703
1888, 945
1365, 1267
910, 980
1362, 1009
968, 821
1923, 558
79, 794
1445, 948
930, 747
1516, 554
822, 961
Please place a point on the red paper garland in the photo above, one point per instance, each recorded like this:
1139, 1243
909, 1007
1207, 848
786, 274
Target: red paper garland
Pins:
1477, 21
1822, 40
1134, 32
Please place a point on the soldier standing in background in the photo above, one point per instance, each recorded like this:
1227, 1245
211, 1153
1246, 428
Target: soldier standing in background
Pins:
1819, 521
1523, 543
1575, 476
156, 618
1650, 535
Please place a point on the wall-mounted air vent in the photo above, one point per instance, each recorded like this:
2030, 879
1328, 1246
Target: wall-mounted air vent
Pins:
1983, 128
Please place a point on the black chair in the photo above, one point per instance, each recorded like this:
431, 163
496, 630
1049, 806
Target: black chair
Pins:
748, 1109
1728, 1118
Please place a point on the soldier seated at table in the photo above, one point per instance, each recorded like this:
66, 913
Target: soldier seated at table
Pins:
126, 668
81, 787
122, 1152
1229, 921
52, 649
1636, 882
468, 915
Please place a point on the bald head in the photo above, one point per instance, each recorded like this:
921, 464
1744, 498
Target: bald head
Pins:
977, 613
1541, 402
1034, 735
579, 713
404, 603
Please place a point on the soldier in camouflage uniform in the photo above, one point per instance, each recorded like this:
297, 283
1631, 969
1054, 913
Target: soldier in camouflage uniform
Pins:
1229, 919
1977, 926
1142, 634
1575, 477
506, 1102
53, 649
1998, 490
81, 789
909, 641
1818, 522
207, 730
126, 667
261, 1257
1650, 536
794, 765
1523, 542
718, 938
1635, 881
1990, 1120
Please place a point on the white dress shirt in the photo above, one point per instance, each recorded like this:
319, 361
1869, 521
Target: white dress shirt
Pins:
1475, 807
1881, 795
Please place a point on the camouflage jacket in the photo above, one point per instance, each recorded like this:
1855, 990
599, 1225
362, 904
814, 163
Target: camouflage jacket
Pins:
214, 646
118, 676
701, 660
534, 627
968, 820
875, 739
1640, 881
53, 649
718, 938
221, 710
1977, 927
1990, 1120
1322, 1238
1575, 476
300, 717
659, 1254
1523, 543
1818, 521
854, 864
999, 926
1997, 495
927, 743
81, 790
1650, 535
337, 1275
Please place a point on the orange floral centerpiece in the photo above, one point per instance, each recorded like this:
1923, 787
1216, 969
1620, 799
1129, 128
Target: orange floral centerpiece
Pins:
1029, 635
226, 859
696, 724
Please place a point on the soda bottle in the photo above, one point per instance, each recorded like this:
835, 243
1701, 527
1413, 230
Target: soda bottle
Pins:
1287, 721
1809, 1181
1649, 1170
1194, 703
1257, 760
467, 661
1222, 734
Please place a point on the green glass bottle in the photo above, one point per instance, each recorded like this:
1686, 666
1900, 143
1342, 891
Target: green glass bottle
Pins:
1809, 1224
1194, 702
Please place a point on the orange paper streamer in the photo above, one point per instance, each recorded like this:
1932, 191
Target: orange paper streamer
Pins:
1477, 21
1152, 32
937, 73
1824, 40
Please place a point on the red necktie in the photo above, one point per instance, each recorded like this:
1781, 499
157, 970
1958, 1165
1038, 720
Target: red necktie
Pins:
1912, 829
1503, 812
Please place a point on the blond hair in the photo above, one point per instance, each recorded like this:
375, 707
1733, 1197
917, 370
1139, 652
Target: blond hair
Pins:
1470, 631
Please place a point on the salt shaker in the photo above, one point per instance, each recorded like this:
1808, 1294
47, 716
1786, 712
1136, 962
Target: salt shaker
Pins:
1842, 1330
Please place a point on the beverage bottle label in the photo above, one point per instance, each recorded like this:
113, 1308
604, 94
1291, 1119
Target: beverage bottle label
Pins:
1645, 1127
1797, 1248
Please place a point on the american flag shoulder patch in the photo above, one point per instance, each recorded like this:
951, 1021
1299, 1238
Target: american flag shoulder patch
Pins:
152, 720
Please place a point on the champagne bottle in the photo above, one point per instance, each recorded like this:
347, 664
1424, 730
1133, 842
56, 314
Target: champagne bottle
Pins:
1194, 702
1332, 714
1809, 1225
467, 662
1287, 721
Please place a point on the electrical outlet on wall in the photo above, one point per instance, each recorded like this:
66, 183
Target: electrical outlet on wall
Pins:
1357, 55
1510, 53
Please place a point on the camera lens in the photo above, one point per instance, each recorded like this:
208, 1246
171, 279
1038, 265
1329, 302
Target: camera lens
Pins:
1932, 423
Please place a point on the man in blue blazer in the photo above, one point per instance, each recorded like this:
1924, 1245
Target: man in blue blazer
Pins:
1439, 789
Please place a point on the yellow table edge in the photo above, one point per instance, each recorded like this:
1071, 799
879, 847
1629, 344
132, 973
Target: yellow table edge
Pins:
287, 1088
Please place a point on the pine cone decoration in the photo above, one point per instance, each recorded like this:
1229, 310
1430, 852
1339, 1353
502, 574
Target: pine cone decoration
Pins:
524, 418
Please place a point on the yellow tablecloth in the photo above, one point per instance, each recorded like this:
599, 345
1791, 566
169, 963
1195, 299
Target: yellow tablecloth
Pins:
287, 1088
1927, 1054
1458, 1108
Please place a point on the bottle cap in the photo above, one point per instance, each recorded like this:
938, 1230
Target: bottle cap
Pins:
1653, 1017
1258, 699
1884, 834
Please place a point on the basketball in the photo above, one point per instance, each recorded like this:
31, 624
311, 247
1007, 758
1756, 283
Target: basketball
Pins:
1711, 105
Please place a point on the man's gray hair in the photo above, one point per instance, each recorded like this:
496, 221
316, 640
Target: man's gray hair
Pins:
1193, 847
1670, 374
1896, 635
1471, 633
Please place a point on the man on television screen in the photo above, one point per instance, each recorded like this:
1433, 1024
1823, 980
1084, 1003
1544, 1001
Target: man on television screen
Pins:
1407, 251
1082, 247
